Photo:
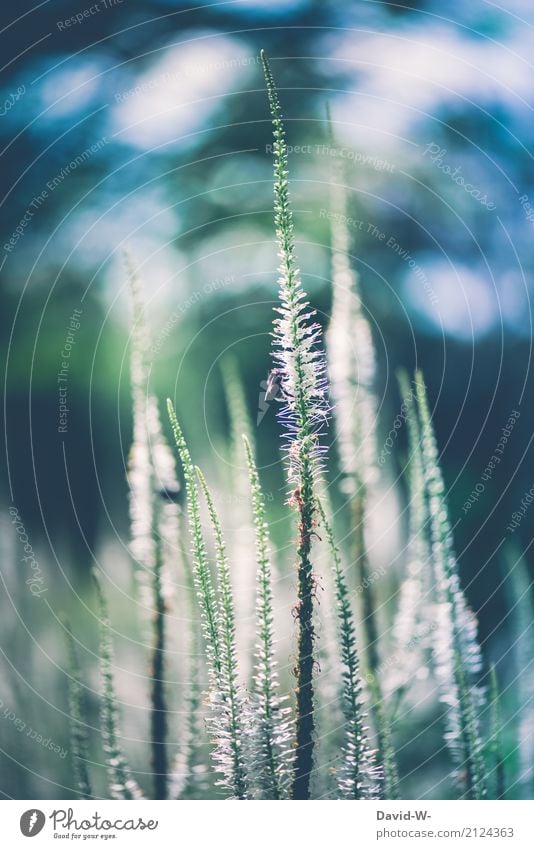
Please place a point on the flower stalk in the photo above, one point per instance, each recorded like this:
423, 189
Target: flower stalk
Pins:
457, 653
271, 732
300, 367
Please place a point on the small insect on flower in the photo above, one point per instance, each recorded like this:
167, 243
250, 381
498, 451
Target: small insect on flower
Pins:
273, 391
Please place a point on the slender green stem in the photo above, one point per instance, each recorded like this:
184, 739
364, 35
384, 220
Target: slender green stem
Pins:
78, 730
159, 707
306, 639
121, 783
496, 745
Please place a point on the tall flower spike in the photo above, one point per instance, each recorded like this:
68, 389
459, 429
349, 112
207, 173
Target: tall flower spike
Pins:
414, 623
218, 628
271, 735
350, 349
240, 521
456, 649
387, 749
227, 702
154, 520
496, 743
236, 405
519, 590
358, 775
122, 785
152, 476
301, 372
201, 571
352, 367
301, 365
189, 774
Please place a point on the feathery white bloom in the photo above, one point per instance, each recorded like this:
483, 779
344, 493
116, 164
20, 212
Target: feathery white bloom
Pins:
457, 652
300, 360
414, 621
238, 510
151, 470
351, 356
